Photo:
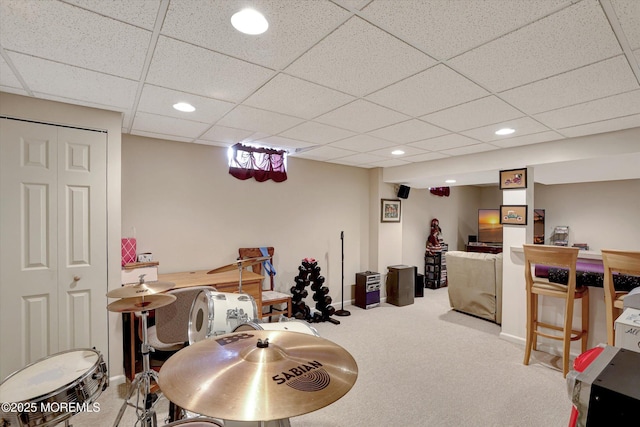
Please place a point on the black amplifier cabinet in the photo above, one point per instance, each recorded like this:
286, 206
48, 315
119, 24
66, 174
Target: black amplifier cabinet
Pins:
367, 289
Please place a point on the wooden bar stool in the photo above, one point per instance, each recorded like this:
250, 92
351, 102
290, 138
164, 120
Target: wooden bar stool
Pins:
624, 262
561, 257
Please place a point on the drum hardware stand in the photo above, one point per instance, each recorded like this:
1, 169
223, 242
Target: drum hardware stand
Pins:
342, 311
141, 385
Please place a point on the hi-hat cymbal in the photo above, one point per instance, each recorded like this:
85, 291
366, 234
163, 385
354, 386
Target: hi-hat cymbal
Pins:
237, 377
140, 289
241, 263
144, 303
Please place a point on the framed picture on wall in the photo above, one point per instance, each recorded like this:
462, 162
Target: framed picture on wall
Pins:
390, 210
513, 178
513, 214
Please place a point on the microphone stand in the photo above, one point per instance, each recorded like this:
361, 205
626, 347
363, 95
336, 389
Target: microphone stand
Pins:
342, 311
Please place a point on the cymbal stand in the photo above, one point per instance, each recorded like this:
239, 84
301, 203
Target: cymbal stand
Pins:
141, 385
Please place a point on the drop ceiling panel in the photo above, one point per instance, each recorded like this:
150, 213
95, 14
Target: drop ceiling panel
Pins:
431, 90
284, 143
138, 13
324, 153
426, 157
593, 111
66, 83
358, 59
185, 67
444, 29
628, 13
361, 116
408, 152
258, 120
389, 163
574, 37
67, 34
167, 126
470, 149
225, 134
611, 125
294, 27
362, 159
528, 139
362, 143
7, 77
289, 95
522, 126
599, 80
159, 100
445, 142
409, 131
473, 114
317, 133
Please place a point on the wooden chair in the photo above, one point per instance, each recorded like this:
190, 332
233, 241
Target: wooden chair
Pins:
562, 257
270, 298
625, 262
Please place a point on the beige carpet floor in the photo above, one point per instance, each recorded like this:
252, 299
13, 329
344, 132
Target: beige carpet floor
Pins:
419, 365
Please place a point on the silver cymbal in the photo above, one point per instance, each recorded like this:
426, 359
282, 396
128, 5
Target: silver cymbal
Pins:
241, 263
144, 303
140, 289
258, 375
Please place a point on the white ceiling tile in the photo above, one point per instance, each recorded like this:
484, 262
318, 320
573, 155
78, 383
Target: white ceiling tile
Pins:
358, 159
389, 163
431, 90
425, 157
158, 100
446, 28
13, 90
444, 142
284, 143
584, 84
408, 152
293, 27
362, 143
534, 138
139, 13
324, 153
7, 77
249, 118
481, 112
71, 35
361, 116
358, 59
628, 14
181, 66
211, 143
168, 126
226, 135
75, 83
574, 37
409, 131
470, 149
157, 135
289, 95
317, 133
523, 126
594, 111
611, 125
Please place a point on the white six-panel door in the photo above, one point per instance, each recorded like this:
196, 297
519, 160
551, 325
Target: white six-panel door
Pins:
53, 248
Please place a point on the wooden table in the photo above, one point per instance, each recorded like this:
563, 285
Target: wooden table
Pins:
227, 281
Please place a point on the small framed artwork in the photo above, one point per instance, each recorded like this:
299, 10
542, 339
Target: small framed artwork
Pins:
513, 178
513, 214
390, 210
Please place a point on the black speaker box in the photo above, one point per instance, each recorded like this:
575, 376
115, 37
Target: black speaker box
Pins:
403, 191
472, 238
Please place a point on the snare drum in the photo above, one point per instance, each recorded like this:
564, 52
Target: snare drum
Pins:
216, 313
293, 325
53, 389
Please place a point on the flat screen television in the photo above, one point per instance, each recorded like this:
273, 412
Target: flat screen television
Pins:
489, 227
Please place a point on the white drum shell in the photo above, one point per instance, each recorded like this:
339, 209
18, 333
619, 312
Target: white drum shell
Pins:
28, 387
216, 313
293, 325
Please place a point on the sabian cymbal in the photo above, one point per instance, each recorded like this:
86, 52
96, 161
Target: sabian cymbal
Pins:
237, 377
140, 289
134, 304
244, 263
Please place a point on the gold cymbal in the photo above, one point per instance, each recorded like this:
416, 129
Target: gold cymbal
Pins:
237, 377
244, 263
140, 289
144, 303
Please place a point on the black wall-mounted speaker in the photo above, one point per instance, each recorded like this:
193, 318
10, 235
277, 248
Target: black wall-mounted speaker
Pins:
403, 191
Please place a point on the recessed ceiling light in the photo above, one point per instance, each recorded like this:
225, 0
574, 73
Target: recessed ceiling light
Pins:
505, 131
249, 21
397, 152
183, 106
450, 181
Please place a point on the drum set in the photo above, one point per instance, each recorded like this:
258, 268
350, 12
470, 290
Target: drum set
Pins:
235, 372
